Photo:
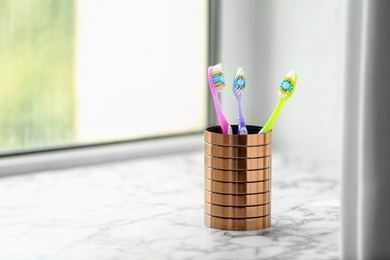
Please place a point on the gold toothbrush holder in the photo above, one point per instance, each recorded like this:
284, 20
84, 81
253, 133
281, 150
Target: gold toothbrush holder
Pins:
237, 179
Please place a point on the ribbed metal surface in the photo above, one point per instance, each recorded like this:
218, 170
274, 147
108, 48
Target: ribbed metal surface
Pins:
237, 151
237, 212
237, 176
237, 200
237, 223
237, 187
237, 179
213, 136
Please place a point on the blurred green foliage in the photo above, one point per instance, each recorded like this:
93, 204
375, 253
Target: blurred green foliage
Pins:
37, 74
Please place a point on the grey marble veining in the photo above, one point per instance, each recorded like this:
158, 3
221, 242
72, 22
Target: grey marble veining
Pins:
152, 208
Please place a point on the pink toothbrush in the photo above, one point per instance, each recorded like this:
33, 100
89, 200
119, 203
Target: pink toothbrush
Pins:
217, 82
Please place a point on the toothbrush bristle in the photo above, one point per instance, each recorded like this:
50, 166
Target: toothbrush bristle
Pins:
288, 84
239, 82
216, 77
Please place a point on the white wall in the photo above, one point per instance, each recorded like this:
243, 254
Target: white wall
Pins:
268, 38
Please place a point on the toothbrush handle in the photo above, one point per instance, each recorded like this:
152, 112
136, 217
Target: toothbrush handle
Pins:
271, 121
226, 128
241, 121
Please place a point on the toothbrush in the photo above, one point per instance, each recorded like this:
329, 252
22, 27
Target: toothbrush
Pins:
286, 90
217, 82
239, 84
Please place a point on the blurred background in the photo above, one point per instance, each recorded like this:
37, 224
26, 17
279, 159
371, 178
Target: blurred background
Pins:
89, 72
269, 38
37, 57
85, 72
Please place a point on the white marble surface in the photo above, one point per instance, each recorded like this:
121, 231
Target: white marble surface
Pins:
152, 208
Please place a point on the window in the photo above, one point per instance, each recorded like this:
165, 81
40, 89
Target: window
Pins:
85, 72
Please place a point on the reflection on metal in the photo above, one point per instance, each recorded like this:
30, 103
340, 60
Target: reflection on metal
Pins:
237, 179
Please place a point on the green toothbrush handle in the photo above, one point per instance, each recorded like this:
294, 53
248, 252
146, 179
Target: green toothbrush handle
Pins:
271, 121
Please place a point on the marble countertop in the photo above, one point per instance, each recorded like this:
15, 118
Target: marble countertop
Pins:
152, 208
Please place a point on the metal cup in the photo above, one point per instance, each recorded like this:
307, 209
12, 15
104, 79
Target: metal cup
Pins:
237, 179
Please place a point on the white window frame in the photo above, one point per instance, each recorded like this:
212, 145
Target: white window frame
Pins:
80, 156
53, 159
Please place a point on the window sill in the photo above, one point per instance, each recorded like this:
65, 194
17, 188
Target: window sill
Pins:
52, 160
